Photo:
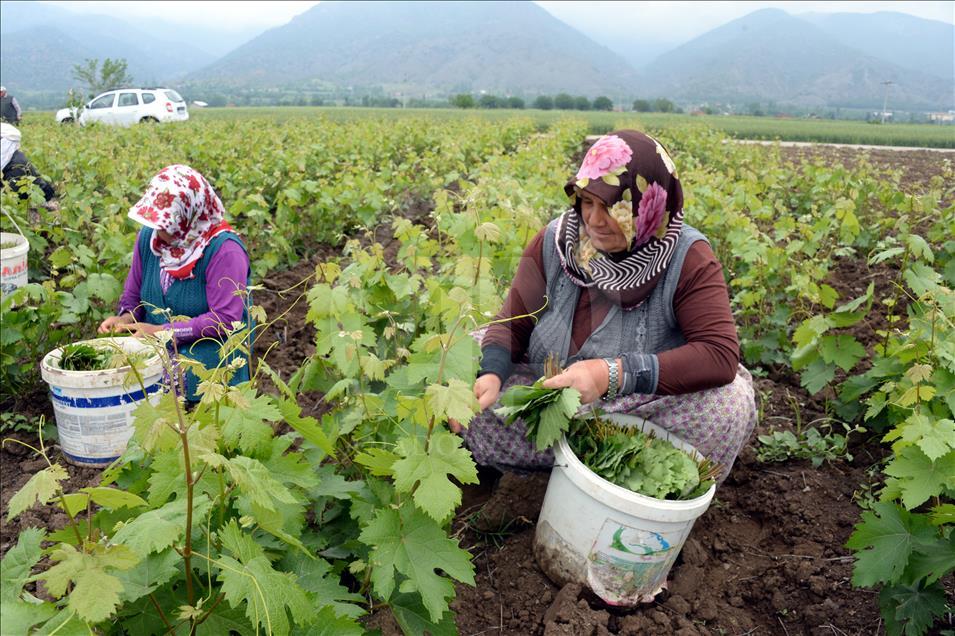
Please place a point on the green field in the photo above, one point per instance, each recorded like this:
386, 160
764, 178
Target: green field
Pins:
740, 127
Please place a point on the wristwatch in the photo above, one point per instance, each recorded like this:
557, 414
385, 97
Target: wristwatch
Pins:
613, 387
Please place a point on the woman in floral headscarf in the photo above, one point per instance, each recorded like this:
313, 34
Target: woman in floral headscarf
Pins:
188, 260
634, 305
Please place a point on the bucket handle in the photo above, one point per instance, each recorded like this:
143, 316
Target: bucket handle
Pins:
19, 231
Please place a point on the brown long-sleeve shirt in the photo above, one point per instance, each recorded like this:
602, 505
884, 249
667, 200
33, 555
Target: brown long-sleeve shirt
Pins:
701, 305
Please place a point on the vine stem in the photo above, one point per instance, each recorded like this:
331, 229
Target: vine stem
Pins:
190, 483
440, 378
162, 614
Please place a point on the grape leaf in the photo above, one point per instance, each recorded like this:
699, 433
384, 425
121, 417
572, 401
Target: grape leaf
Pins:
932, 560
408, 542
244, 425
154, 424
226, 621
918, 478
427, 472
267, 595
911, 609
455, 401
307, 427
331, 484
156, 530
18, 562
324, 587
413, 617
148, 575
817, 375
841, 350
41, 488
254, 480
377, 460
935, 437
327, 623
883, 543
555, 418
167, 478
113, 498
95, 593
290, 468
19, 617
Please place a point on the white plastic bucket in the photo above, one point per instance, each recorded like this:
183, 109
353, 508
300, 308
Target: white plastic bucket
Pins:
94, 409
13, 262
618, 543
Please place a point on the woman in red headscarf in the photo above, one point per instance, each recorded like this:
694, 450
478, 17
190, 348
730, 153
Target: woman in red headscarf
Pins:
188, 262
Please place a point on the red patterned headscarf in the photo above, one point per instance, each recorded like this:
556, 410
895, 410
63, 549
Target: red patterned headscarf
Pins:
181, 202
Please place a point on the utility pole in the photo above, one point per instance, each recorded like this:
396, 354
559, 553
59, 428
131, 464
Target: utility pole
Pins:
885, 102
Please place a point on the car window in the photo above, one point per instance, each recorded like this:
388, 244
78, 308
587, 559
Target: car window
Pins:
128, 99
103, 102
148, 98
173, 96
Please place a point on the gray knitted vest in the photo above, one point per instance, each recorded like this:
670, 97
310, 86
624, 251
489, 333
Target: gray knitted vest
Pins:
649, 328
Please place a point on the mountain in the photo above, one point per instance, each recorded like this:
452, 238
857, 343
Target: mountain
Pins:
769, 55
499, 47
910, 42
40, 44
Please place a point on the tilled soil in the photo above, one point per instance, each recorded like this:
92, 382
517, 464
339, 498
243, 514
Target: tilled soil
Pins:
766, 558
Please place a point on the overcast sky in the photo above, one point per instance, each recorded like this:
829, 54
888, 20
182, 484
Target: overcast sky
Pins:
666, 20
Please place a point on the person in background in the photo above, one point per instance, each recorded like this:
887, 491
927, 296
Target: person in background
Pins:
16, 166
187, 260
9, 108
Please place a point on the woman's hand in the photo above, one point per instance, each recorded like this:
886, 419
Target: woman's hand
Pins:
116, 323
140, 329
486, 389
590, 377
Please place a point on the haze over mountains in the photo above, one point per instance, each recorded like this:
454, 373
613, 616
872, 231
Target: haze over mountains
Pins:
437, 49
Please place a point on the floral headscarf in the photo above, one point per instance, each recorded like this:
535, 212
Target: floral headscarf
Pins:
632, 173
181, 202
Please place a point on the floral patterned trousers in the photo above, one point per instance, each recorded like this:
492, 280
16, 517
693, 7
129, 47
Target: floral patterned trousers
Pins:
717, 422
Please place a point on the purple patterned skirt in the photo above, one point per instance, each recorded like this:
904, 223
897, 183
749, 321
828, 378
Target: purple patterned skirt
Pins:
717, 422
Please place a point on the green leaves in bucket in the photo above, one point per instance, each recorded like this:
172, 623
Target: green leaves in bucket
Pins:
84, 357
640, 462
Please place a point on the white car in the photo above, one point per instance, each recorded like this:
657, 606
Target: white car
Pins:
127, 106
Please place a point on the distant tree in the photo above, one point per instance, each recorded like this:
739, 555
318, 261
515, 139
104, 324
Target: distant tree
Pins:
603, 103
544, 102
217, 100
563, 101
581, 103
707, 110
755, 109
463, 100
515, 102
112, 74
642, 106
490, 101
317, 101
662, 105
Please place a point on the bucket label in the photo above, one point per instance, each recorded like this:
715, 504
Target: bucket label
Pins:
626, 563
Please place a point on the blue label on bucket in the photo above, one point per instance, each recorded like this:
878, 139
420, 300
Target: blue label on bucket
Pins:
100, 402
97, 461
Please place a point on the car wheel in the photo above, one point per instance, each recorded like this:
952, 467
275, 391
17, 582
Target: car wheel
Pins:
66, 120
148, 120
